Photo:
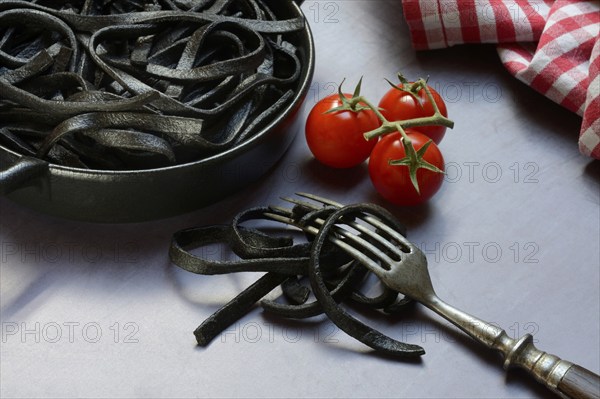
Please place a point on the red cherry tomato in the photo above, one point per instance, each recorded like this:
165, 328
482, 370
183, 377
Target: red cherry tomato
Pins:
401, 105
336, 139
393, 181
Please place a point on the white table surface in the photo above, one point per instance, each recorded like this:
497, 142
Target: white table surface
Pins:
90, 310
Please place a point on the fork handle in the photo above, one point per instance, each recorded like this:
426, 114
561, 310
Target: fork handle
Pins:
565, 378
562, 377
579, 382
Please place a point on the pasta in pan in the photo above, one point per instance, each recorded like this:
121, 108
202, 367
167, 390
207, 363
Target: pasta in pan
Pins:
125, 84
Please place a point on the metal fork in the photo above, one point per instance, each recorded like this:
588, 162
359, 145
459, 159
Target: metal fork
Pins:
402, 266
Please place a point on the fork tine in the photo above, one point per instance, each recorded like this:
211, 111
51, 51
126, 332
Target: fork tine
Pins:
355, 250
373, 235
356, 254
320, 199
282, 210
283, 219
359, 227
406, 245
369, 219
280, 218
296, 201
349, 249
365, 245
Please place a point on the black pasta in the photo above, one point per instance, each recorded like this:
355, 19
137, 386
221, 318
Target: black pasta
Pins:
342, 319
334, 276
137, 84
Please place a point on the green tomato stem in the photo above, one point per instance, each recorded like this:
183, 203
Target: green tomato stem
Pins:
362, 99
416, 86
413, 159
387, 127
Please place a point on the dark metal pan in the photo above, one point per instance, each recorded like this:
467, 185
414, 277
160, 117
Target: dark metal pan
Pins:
140, 195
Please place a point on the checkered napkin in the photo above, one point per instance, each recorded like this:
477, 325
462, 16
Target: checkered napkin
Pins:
552, 46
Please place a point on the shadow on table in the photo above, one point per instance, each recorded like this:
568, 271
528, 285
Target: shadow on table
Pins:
415, 325
40, 253
340, 182
592, 171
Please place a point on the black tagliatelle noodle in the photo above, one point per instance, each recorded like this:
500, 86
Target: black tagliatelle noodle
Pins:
137, 84
334, 276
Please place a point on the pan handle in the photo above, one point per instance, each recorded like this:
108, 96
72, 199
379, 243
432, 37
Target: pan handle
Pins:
21, 173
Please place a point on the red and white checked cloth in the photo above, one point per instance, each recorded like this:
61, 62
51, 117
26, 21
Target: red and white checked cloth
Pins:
552, 46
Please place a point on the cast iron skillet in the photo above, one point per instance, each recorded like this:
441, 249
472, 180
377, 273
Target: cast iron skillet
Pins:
141, 195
